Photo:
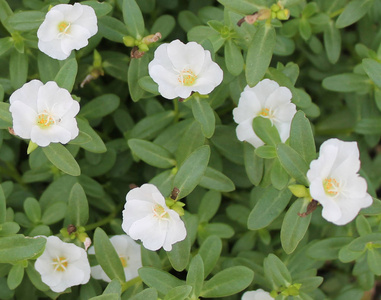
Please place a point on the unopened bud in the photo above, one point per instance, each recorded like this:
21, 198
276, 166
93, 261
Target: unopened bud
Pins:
275, 7
129, 41
299, 190
283, 14
143, 47
87, 243
152, 38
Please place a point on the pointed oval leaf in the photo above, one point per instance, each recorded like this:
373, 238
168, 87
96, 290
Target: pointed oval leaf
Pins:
62, 159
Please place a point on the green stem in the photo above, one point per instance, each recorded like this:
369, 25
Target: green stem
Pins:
176, 109
106, 220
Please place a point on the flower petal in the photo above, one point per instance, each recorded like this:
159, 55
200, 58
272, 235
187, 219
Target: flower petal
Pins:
182, 55
27, 94
54, 134
24, 118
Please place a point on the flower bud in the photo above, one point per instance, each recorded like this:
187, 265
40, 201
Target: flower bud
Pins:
129, 41
143, 47
283, 14
152, 38
299, 190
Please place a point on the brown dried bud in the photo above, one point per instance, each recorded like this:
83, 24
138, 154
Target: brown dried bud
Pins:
175, 193
152, 38
132, 186
310, 208
136, 53
11, 131
71, 228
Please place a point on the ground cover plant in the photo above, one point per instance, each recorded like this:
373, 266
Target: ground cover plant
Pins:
188, 149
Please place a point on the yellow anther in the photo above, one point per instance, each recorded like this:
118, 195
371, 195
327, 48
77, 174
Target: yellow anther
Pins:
60, 264
265, 112
63, 27
187, 77
45, 120
331, 186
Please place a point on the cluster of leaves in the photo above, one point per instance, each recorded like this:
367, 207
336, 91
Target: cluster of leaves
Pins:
243, 227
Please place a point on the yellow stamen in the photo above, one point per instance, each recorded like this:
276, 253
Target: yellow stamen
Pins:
63, 27
265, 112
187, 77
123, 260
45, 120
160, 212
60, 264
331, 186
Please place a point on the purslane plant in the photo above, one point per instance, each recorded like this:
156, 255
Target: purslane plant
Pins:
216, 210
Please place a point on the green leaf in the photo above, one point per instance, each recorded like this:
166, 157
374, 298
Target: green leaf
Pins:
107, 257
276, 271
269, 206
293, 163
26, 20
62, 159
368, 126
78, 207
96, 144
151, 126
353, 12
133, 18
151, 153
266, 131
35, 278
9, 228
209, 205
179, 255
112, 29
146, 294
164, 24
362, 225
5, 44
245, 7
259, 54
253, 164
15, 276
294, 227
100, 106
332, 42
301, 137
5, 116
137, 70
101, 8
195, 276
373, 69
65, 77
346, 255
266, 152
178, 293
18, 248
158, 279
3, 206
113, 296
374, 261
227, 282
32, 210
225, 140
18, 69
5, 10
47, 66
215, 180
192, 170
191, 139
147, 84
347, 83
233, 58
210, 252
328, 249
204, 114
305, 28
54, 213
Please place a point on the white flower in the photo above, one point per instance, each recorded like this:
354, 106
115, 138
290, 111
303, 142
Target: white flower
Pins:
180, 69
129, 254
266, 99
66, 27
257, 295
44, 113
335, 183
62, 265
146, 217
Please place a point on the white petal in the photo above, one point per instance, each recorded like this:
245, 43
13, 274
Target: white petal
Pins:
257, 295
88, 19
176, 231
246, 133
143, 193
184, 91
71, 12
24, 118
283, 129
166, 79
190, 55
53, 49
54, 134
350, 208
77, 38
278, 97
285, 113
48, 30
248, 107
98, 273
150, 231
27, 94
135, 210
263, 89
210, 71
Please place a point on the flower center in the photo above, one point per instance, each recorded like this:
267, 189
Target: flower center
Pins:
331, 186
160, 212
63, 27
187, 77
60, 264
123, 260
45, 120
